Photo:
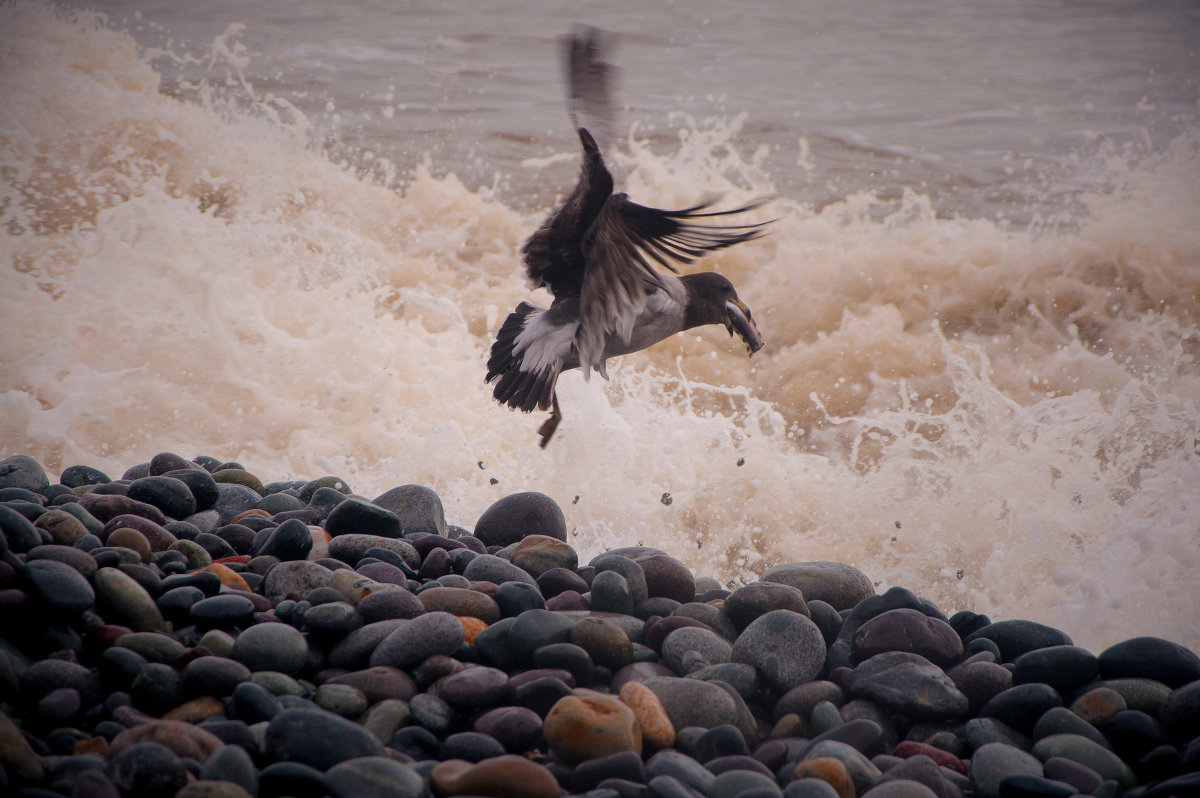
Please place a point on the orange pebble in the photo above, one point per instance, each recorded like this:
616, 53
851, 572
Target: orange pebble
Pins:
471, 627
228, 576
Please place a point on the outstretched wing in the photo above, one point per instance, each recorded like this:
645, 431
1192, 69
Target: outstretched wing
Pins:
590, 81
620, 250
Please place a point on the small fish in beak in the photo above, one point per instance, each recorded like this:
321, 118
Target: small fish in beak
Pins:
738, 320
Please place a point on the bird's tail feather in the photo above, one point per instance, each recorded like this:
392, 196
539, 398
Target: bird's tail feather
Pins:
523, 390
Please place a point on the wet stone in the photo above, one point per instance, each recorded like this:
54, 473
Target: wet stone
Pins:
418, 508
271, 647
1017, 637
980, 682
222, 612
1060, 720
537, 554
519, 515
1098, 705
1150, 658
604, 641
993, 762
356, 516
1065, 668
341, 699
558, 580
474, 687
1020, 707
374, 777
708, 644
757, 598
298, 577
1087, 753
76, 476
489, 568
120, 598
199, 483
171, 496
215, 676
688, 702
908, 684
291, 540
61, 587
514, 598
908, 630
579, 728
837, 584
317, 738
420, 638
432, 712
64, 528
517, 729
978, 732
157, 689
470, 746
147, 769
765, 640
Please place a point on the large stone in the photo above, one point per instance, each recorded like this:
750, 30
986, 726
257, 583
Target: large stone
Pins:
22, 471
147, 769
299, 577
350, 548
168, 494
418, 508
1017, 637
16, 756
536, 554
1150, 658
1085, 752
835, 583
61, 587
993, 761
356, 516
507, 776
184, 739
785, 647
579, 728
689, 702
908, 630
908, 684
271, 647
317, 738
374, 777
418, 639
519, 515
122, 600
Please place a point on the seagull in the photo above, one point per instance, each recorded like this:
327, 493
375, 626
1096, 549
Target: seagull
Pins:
596, 254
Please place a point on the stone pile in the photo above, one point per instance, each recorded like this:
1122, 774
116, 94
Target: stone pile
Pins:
187, 630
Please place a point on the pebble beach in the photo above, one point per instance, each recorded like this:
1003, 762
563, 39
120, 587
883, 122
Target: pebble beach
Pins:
187, 630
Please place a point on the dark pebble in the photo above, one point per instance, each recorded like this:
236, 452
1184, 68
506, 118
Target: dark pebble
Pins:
1021, 706
317, 738
1150, 658
170, 495
1014, 638
518, 515
222, 612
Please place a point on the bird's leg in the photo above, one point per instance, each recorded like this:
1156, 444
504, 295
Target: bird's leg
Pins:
551, 424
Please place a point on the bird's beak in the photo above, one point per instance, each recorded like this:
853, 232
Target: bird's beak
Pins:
738, 320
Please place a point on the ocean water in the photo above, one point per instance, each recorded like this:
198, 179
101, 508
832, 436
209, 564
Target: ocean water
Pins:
284, 233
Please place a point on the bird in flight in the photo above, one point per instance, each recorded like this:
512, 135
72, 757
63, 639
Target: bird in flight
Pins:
596, 254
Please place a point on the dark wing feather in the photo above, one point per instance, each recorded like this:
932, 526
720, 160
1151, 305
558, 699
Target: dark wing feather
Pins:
618, 250
589, 82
